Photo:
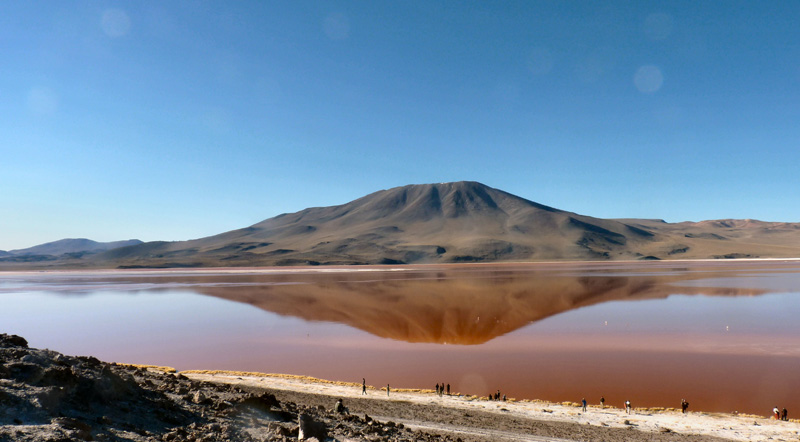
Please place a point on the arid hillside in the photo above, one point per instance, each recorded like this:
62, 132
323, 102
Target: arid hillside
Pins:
450, 223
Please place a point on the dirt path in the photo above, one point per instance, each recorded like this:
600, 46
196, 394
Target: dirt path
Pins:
481, 433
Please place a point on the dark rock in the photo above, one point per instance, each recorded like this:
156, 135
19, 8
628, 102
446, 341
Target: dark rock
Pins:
50, 398
12, 341
91, 361
25, 372
82, 429
264, 402
283, 430
198, 397
309, 427
59, 375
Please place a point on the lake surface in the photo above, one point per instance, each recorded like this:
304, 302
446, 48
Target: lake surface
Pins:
723, 335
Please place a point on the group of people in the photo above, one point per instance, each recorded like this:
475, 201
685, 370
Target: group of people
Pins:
443, 388
781, 415
497, 397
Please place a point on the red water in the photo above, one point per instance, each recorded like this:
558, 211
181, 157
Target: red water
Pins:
722, 335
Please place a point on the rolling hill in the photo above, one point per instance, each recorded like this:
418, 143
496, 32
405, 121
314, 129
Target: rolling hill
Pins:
73, 245
453, 223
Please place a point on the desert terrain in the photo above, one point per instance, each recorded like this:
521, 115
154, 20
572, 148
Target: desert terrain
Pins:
435, 223
49, 396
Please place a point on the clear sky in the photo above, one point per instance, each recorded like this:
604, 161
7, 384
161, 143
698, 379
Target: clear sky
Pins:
175, 120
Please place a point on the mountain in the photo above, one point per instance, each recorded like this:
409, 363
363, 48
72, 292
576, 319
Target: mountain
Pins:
447, 222
75, 247
454, 223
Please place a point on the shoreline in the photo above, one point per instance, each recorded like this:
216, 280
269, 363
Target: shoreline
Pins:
346, 268
46, 395
300, 380
741, 427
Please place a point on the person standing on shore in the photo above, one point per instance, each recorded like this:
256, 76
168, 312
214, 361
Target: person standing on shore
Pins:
387, 390
448, 389
628, 407
583, 401
602, 402
777, 413
363, 386
437, 389
684, 406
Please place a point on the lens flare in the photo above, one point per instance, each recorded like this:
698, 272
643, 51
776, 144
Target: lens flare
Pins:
115, 23
648, 79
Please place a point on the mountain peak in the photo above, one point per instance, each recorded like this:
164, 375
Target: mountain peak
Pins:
423, 202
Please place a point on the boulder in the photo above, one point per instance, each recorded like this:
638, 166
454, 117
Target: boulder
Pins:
12, 341
309, 427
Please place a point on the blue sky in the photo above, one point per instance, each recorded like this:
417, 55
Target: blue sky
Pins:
177, 120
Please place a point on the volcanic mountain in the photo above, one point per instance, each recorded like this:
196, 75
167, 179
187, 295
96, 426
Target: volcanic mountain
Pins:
452, 223
448, 222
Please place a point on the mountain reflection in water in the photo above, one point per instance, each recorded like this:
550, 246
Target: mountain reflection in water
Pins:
455, 305
557, 331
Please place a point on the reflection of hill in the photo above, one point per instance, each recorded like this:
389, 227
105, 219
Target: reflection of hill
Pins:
445, 307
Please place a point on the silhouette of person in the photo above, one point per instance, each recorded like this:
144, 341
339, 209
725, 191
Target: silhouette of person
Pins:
628, 407
448, 389
437, 389
387, 389
583, 401
602, 402
784, 415
441, 390
684, 406
363, 386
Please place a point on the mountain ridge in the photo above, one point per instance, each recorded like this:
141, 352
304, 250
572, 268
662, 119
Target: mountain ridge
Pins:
463, 221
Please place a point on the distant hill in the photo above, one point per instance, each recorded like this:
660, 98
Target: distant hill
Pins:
70, 246
453, 223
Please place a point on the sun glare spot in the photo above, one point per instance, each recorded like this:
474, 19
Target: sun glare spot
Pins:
648, 79
42, 101
658, 26
336, 26
115, 22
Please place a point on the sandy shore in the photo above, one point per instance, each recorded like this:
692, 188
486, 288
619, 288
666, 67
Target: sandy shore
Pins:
505, 420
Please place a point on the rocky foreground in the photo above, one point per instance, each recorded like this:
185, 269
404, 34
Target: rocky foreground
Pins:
47, 396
